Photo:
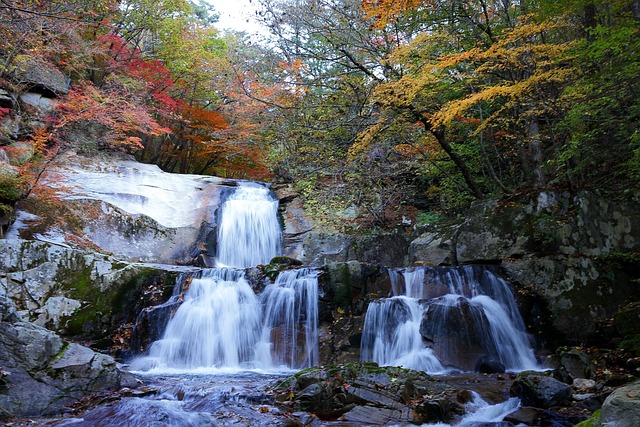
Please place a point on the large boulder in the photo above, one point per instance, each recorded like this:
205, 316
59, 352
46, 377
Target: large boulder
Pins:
622, 407
42, 373
540, 390
110, 203
41, 76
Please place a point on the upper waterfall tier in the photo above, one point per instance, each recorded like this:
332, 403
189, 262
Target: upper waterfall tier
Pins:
249, 232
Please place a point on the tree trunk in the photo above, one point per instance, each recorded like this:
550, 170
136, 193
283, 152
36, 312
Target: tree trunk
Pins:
457, 160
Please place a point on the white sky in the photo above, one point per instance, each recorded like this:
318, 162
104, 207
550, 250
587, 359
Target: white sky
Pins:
236, 15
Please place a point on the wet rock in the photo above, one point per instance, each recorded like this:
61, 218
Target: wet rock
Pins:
489, 365
371, 415
525, 415
622, 407
540, 390
365, 392
457, 334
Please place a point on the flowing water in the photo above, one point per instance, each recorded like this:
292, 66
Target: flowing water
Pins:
249, 232
223, 343
442, 319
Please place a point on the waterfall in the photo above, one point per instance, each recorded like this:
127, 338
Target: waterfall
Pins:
221, 322
291, 317
446, 316
249, 232
392, 337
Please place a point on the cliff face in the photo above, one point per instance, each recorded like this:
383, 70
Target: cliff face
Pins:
572, 258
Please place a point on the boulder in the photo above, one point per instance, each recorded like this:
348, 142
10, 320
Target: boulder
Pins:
622, 407
539, 390
44, 373
368, 393
41, 76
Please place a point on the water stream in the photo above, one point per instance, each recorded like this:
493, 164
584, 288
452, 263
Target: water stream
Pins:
223, 343
446, 319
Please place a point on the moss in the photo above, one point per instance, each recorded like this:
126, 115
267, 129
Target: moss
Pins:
104, 306
343, 287
594, 421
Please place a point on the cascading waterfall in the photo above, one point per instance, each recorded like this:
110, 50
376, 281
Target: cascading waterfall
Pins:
446, 316
249, 232
292, 302
221, 323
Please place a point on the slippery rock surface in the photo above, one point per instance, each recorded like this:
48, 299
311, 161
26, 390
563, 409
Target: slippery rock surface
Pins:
540, 390
109, 202
367, 393
43, 373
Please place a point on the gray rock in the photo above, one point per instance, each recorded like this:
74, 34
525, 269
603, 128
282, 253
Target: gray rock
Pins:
42, 75
41, 103
46, 373
622, 407
432, 248
539, 390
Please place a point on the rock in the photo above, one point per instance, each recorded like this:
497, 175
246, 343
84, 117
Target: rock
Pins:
370, 415
539, 390
525, 415
85, 295
576, 363
41, 75
38, 102
365, 392
463, 341
112, 204
432, 249
45, 373
7, 100
489, 365
622, 407
583, 385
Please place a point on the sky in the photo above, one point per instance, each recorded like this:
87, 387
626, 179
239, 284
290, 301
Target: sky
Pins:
236, 15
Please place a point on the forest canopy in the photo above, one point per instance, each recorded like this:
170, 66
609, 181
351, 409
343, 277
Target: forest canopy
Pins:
374, 109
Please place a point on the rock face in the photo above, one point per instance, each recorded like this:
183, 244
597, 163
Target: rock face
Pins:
111, 203
43, 373
575, 254
75, 293
622, 407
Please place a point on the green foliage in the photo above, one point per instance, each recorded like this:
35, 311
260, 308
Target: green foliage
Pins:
429, 218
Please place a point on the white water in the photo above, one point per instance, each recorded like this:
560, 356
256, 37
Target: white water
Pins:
392, 336
479, 411
222, 324
291, 318
249, 231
